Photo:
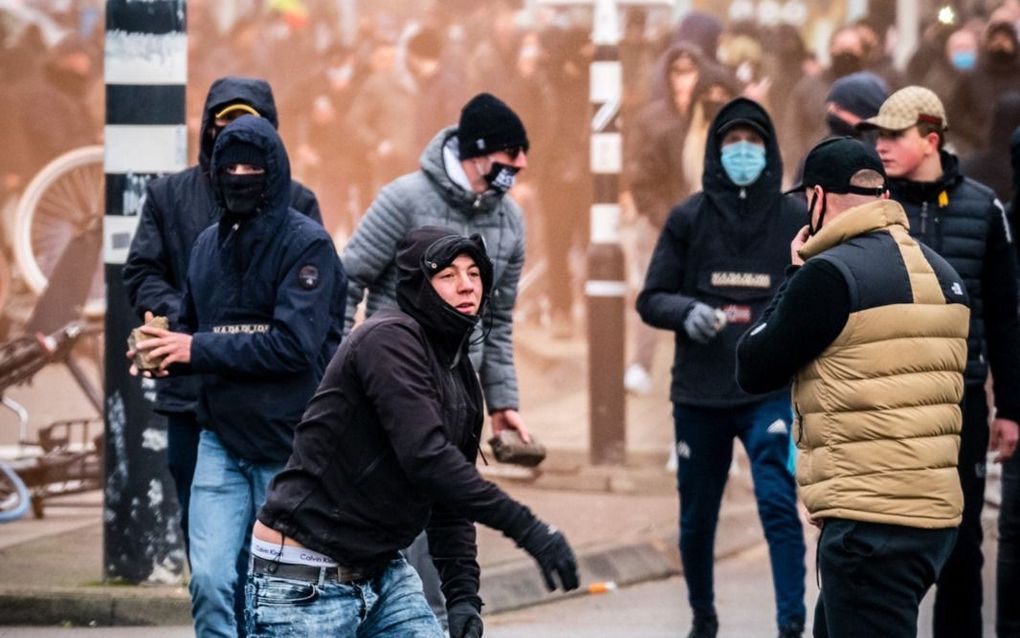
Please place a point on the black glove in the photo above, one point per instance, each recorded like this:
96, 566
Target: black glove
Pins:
465, 621
701, 323
554, 556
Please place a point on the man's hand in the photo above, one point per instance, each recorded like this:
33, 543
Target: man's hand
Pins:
798, 242
552, 553
1003, 439
465, 621
702, 323
174, 347
509, 419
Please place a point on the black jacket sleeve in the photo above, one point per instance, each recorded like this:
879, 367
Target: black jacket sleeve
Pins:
454, 548
661, 303
303, 200
1002, 329
148, 273
806, 314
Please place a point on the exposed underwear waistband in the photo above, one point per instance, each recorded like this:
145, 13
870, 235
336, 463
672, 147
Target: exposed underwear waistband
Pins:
290, 554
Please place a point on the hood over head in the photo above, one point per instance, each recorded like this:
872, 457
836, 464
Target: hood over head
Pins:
701, 29
254, 135
422, 253
1005, 118
253, 92
739, 111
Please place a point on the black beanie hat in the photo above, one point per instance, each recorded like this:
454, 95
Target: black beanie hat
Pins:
488, 125
241, 153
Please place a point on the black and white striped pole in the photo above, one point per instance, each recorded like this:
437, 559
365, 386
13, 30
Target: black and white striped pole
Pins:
606, 289
145, 135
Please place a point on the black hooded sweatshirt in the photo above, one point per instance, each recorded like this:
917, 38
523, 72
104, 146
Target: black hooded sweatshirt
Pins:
177, 209
387, 445
726, 246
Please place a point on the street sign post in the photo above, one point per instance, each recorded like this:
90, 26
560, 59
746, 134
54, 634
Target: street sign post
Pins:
606, 288
145, 135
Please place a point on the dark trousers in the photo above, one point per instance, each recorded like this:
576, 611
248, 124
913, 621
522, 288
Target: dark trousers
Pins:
874, 577
182, 432
705, 450
1007, 614
959, 593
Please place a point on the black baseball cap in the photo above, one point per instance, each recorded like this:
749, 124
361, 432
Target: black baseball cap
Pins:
832, 163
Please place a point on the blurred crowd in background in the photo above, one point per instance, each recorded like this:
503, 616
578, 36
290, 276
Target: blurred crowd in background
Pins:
360, 96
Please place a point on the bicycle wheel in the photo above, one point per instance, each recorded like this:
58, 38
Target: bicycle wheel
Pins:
14, 496
60, 201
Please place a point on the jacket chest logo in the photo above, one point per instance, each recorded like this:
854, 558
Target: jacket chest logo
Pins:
726, 279
241, 328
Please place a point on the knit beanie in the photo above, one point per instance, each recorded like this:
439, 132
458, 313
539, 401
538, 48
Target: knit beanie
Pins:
488, 125
861, 93
241, 153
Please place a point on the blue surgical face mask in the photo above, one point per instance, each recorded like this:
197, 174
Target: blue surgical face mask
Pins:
964, 60
743, 162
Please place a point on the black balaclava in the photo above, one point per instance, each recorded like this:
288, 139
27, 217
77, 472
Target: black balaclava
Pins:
242, 194
422, 253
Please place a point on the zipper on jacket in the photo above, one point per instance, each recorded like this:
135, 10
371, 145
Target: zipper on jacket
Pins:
924, 220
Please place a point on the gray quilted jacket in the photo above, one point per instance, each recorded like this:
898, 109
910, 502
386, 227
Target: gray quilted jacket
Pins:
429, 197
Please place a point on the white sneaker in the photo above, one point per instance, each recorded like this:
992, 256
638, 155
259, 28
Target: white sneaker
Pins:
637, 380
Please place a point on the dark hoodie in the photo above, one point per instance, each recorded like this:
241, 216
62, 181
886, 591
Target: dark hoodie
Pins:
986, 166
177, 208
974, 96
264, 301
727, 247
387, 446
655, 165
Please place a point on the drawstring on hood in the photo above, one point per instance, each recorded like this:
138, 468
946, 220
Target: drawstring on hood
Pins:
422, 253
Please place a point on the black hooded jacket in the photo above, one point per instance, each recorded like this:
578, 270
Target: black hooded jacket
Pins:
986, 165
964, 223
177, 208
264, 303
727, 247
387, 445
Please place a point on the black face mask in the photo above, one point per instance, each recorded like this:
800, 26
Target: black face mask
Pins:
1001, 57
501, 177
242, 194
812, 229
846, 63
840, 127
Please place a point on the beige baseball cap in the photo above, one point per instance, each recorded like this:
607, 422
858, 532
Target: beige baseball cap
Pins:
905, 108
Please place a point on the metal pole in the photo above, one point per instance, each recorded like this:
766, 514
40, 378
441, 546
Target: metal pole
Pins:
146, 74
606, 289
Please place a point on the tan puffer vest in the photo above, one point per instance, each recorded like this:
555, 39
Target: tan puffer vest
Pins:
878, 413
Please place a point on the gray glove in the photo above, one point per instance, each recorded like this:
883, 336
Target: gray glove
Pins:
701, 323
465, 621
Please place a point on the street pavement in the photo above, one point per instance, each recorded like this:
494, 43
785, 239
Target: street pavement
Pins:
654, 609
621, 521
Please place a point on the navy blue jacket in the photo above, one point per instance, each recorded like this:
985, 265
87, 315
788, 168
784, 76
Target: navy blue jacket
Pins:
177, 208
264, 300
962, 221
727, 247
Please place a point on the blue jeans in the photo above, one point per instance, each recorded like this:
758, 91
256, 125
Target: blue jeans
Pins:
225, 494
390, 605
704, 439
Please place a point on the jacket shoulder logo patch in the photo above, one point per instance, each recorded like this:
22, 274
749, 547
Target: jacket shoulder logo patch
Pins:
957, 289
741, 280
308, 277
